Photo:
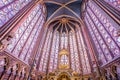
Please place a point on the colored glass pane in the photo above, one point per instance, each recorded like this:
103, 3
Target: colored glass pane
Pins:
10, 10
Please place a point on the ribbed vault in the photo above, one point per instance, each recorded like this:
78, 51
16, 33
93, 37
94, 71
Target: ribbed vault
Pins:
64, 24
57, 8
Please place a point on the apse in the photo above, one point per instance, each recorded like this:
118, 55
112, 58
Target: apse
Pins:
64, 48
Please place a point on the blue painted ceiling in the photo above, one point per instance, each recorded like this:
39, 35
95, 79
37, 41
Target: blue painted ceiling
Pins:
53, 5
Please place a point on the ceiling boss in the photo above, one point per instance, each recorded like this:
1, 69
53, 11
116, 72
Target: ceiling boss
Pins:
64, 20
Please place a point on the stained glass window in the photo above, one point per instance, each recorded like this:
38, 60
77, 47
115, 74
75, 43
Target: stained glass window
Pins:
103, 31
45, 54
26, 35
54, 53
5, 2
38, 53
83, 53
64, 60
75, 64
11, 9
99, 49
50, 51
64, 41
114, 3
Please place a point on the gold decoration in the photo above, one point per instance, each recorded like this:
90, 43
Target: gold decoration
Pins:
64, 20
61, 53
64, 66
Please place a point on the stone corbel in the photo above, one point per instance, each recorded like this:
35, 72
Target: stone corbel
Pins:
5, 42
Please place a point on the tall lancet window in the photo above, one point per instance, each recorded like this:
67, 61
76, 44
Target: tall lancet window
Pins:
8, 8
45, 53
75, 64
26, 34
114, 3
103, 30
83, 54
54, 52
64, 41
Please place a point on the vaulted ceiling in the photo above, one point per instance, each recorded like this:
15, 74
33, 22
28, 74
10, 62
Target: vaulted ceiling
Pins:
57, 8
62, 12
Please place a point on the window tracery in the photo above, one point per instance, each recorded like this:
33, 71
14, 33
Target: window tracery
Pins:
64, 60
5, 2
45, 53
103, 32
114, 3
26, 35
74, 53
64, 41
54, 53
10, 9
83, 53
